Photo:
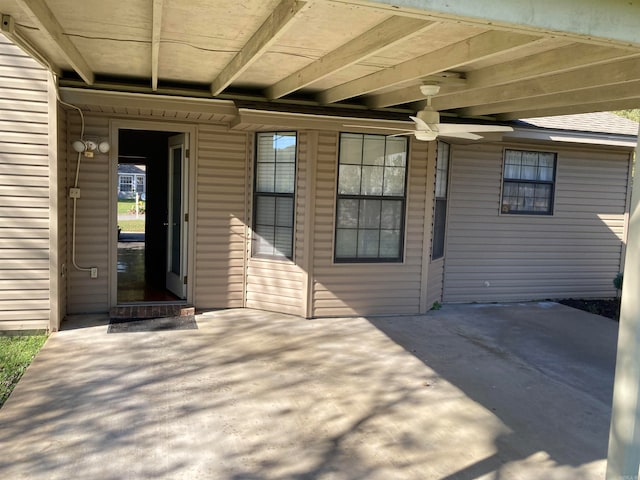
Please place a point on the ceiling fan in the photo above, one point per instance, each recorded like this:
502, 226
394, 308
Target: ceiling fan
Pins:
428, 126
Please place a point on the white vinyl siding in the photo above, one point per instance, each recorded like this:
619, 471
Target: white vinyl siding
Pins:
574, 253
24, 192
371, 288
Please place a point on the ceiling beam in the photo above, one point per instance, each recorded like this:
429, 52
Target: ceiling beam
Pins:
605, 106
156, 29
382, 36
483, 100
563, 59
52, 29
614, 22
598, 94
261, 40
469, 50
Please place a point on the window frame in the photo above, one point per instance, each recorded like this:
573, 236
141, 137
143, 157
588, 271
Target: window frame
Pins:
257, 195
552, 193
403, 199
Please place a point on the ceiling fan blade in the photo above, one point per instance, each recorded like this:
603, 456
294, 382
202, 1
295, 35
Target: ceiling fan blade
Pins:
421, 124
461, 127
408, 132
379, 128
466, 135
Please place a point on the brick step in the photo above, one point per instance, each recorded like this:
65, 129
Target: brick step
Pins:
151, 311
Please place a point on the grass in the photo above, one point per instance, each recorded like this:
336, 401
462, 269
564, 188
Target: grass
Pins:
16, 353
128, 207
136, 226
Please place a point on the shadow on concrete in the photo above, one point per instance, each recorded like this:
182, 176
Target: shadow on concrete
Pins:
254, 395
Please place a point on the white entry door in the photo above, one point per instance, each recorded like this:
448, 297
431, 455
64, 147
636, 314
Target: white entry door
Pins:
177, 216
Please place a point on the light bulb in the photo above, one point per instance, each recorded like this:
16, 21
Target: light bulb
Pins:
104, 147
79, 146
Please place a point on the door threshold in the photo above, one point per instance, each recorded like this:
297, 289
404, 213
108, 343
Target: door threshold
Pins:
152, 310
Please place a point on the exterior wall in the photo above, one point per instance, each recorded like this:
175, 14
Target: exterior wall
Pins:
24, 192
221, 217
575, 252
374, 288
435, 282
85, 295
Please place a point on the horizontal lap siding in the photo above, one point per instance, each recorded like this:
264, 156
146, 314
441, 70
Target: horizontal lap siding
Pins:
280, 285
84, 294
374, 288
24, 192
576, 252
221, 212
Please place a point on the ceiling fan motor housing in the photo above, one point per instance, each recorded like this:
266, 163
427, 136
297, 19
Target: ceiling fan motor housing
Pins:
429, 116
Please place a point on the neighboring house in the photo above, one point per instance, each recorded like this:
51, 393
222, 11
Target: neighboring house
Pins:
131, 180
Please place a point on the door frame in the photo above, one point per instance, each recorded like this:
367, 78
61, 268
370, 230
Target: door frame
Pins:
115, 125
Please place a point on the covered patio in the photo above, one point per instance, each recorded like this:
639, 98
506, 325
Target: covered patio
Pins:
258, 65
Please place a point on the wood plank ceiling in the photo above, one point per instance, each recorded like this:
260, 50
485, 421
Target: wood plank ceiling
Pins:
324, 53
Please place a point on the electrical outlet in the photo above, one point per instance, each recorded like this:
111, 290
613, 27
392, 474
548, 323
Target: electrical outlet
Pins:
94, 272
74, 192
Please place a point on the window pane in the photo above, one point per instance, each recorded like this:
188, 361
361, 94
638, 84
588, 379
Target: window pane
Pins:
265, 150
368, 242
264, 240
346, 243
391, 214
285, 177
372, 180
529, 166
349, 180
351, 148
265, 210
439, 223
265, 181
284, 212
283, 241
373, 153
394, 181
389, 243
285, 147
370, 214
347, 213
396, 152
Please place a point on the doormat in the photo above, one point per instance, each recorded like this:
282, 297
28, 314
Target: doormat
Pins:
124, 325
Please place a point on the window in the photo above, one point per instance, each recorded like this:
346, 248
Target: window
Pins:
274, 190
126, 183
140, 183
528, 182
440, 206
371, 198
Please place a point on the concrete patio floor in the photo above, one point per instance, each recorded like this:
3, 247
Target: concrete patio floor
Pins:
518, 391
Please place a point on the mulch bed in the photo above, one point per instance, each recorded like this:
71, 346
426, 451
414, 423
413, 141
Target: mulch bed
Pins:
609, 308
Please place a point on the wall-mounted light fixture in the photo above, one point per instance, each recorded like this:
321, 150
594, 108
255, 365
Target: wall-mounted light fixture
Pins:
88, 147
